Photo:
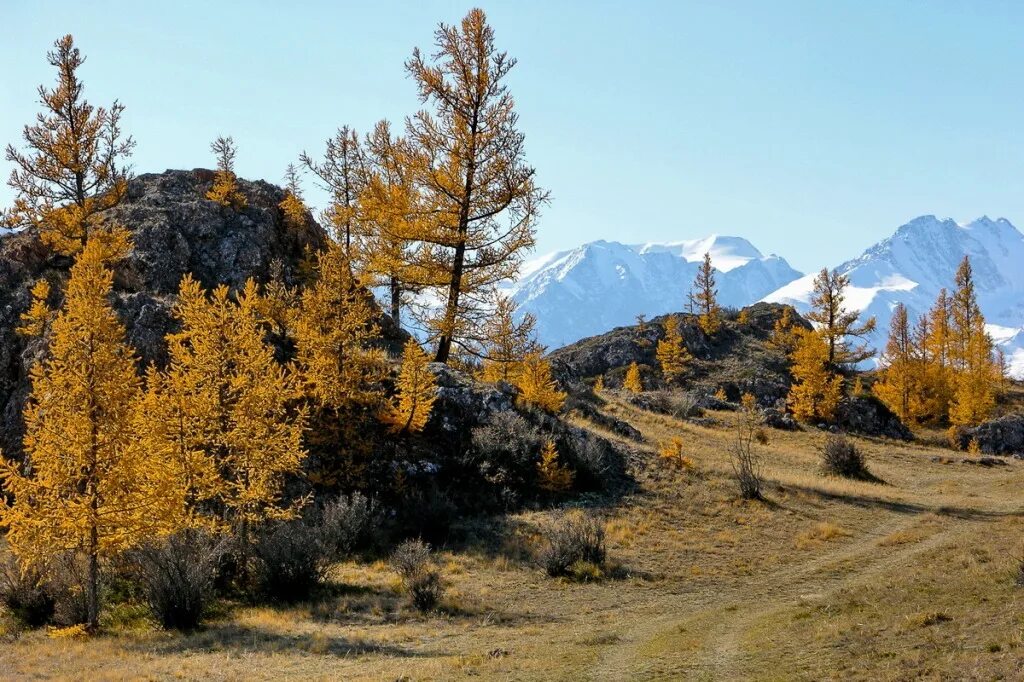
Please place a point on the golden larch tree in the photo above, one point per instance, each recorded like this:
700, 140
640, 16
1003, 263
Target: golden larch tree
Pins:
506, 342
74, 161
293, 207
552, 475
671, 352
784, 336
900, 384
536, 385
816, 390
632, 381
416, 392
225, 189
704, 297
473, 174
342, 173
837, 324
237, 402
86, 487
976, 373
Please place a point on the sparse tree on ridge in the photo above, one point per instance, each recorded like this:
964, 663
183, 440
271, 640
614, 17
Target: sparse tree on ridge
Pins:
837, 324
74, 161
704, 297
225, 184
474, 175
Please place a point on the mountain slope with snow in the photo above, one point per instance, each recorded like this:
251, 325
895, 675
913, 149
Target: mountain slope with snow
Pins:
912, 265
600, 285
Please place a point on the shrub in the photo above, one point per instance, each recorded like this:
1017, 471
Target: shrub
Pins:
746, 463
347, 521
573, 540
504, 451
412, 561
26, 594
840, 457
177, 575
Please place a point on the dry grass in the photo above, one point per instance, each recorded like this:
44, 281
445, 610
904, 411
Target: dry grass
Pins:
826, 579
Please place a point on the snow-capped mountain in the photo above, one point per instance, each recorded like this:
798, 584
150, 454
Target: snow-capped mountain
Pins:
600, 285
912, 265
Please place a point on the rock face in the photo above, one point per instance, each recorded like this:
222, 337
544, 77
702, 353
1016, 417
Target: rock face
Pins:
868, 416
1001, 436
175, 230
736, 359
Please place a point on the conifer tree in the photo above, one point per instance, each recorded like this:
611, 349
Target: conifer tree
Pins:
87, 488
553, 476
632, 381
900, 384
506, 342
599, 383
784, 336
837, 324
417, 391
704, 297
536, 386
225, 184
36, 319
473, 174
236, 402
672, 353
74, 161
333, 332
816, 390
343, 173
292, 206
976, 374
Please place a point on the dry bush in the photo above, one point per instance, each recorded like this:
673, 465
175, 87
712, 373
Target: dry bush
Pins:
746, 462
412, 560
177, 576
27, 595
574, 541
841, 457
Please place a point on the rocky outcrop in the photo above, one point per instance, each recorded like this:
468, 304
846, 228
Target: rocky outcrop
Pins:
175, 230
868, 416
1000, 436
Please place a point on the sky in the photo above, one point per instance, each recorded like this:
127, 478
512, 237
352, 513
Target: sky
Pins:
813, 129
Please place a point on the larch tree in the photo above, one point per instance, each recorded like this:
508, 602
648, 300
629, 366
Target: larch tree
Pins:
552, 475
784, 336
816, 389
704, 297
900, 384
293, 207
536, 386
237, 403
632, 381
837, 324
472, 173
343, 174
976, 374
74, 161
86, 489
416, 389
225, 189
671, 352
506, 342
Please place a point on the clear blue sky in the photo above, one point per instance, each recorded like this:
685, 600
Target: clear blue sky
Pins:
811, 128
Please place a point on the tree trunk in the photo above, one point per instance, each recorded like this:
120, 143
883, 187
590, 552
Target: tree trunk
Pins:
396, 301
93, 596
444, 344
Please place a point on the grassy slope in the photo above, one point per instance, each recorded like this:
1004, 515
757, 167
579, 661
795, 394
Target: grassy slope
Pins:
828, 579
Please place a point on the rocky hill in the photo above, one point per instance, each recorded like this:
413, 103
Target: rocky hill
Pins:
175, 230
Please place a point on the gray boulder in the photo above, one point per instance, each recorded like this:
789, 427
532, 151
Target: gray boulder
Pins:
1000, 436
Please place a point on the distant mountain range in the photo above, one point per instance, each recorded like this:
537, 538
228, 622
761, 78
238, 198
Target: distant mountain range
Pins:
600, 285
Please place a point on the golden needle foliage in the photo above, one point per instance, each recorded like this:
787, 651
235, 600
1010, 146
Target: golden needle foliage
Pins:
88, 486
672, 353
836, 324
74, 162
552, 475
816, 390
632, 382
506, 342
292, 206
536, 386
225, 184
417, 391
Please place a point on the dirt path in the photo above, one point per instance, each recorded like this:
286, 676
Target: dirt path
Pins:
660, 642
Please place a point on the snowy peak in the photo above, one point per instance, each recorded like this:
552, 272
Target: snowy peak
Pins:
603, 284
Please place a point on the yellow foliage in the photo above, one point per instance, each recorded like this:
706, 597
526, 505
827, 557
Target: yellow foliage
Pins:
671, 352
816, 391
536, 386
333, 331
704, 296
743, 319
553, 476
835, 323
632, 381
506, 342
225, 185
417, 391
900, 384
784, 336
672, 452
721, 395
35, 320
599, 383
90, 488
292, 206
